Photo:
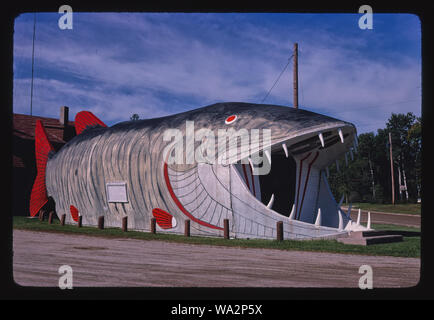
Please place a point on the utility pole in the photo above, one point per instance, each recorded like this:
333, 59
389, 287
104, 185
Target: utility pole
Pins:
399, 182
295, 75
405, 184
372, 177
391, 168
405, 179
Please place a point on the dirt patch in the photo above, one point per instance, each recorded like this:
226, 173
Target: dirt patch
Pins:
137, 263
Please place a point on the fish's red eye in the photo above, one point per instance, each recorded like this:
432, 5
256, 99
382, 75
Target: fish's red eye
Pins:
230, 119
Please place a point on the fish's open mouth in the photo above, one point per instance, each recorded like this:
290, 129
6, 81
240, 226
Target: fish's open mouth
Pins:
294, 165
276, 189
280, 184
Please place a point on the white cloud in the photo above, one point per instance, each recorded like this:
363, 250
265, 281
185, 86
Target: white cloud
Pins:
145, 64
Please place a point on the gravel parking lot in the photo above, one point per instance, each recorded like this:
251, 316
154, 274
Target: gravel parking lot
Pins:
102, 262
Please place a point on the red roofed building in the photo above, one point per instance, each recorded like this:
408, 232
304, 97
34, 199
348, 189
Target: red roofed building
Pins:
59, 131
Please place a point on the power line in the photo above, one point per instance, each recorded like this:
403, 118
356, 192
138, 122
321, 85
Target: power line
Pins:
33, 61
301, 84
289, 61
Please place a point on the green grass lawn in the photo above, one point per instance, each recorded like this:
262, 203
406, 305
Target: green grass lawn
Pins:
409, 208
410, 247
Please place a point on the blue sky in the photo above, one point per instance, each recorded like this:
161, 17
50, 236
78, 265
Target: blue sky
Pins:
157, 64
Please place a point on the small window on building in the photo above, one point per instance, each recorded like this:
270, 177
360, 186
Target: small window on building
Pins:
116, 192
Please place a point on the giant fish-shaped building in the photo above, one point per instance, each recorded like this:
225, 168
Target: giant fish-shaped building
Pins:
123, 171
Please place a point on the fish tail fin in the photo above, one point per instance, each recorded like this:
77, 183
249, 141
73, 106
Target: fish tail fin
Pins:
39, 197
86, 119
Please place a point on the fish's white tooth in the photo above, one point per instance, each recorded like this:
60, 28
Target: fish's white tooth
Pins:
341, 135
251, 165
291, 216
358, 217
342, 200
327, 172
318, 218
346, 159
321, 138
267, 154
270, 203
369, 220
341, 222
337, 165
285, 148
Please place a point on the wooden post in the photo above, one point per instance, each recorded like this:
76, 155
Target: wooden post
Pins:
101, 222
391, 168
50, 217
295, 76
153, 225
62, 219
279, 228
125, 224
187, 228
226, 228
80, 219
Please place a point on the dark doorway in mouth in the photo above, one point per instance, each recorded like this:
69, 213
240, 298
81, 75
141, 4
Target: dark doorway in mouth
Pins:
280, 181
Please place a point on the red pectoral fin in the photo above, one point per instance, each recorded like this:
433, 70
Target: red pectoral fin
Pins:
86, 119
74, 213
164, 219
